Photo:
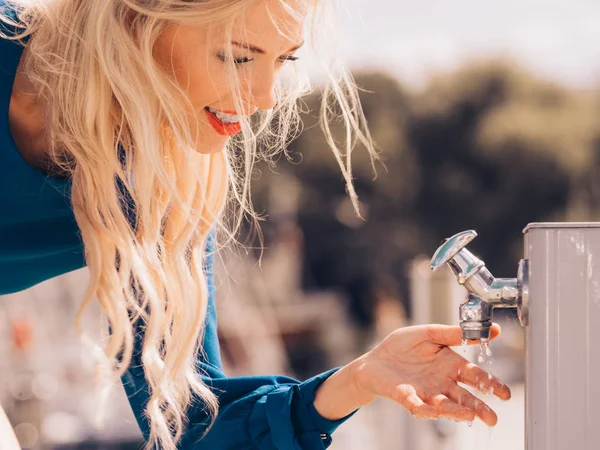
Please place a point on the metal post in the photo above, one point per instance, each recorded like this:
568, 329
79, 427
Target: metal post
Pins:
562, 364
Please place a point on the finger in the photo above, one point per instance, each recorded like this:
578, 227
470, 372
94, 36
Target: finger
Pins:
451, 336
406, 395
495, 331
450, 409
475, 405
474, 376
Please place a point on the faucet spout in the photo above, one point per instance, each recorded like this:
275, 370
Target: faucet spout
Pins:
475, 317
484, 292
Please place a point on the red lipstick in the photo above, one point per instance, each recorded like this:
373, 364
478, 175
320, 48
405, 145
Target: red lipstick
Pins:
224, 129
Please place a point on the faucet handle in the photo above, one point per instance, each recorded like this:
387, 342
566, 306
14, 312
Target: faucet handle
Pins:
451, 247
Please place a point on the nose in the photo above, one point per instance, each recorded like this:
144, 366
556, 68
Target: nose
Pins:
262, 90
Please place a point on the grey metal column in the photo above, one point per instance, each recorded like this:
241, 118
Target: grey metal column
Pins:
562, 406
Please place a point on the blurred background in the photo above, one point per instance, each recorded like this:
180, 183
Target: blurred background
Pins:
488, 118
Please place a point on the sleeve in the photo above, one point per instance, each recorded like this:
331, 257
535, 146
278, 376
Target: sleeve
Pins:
273, 412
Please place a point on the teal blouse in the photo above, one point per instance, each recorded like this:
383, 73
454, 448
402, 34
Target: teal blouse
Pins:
39, 239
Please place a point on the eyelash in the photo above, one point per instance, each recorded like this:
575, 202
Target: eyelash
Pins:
244, 60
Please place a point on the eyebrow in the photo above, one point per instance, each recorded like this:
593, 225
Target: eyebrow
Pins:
255, 49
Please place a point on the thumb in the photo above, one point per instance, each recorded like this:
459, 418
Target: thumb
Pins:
451, 335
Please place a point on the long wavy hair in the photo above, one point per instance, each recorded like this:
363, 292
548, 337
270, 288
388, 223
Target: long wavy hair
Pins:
118, 128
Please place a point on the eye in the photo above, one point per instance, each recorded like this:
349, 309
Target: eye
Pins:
243, 60
284, 59
237, 61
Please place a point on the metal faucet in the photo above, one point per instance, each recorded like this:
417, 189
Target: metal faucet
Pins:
484, 292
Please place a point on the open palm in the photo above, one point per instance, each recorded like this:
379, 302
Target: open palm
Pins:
416, 367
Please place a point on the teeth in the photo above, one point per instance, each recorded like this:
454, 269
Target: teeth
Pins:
227, 118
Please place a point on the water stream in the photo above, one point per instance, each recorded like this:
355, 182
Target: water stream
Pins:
484, 351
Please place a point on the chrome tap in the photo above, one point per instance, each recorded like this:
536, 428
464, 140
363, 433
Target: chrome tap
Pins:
484, 292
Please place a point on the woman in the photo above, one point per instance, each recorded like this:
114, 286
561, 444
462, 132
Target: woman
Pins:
126, 142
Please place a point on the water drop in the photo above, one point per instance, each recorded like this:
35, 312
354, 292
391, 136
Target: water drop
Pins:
481, 357
464, 342
484, 349
488, 350
470, 423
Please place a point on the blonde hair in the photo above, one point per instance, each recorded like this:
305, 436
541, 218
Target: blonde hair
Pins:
145, 217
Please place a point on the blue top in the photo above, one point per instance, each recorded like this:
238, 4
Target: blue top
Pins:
39, 239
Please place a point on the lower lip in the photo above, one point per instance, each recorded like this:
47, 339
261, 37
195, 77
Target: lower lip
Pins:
224, 129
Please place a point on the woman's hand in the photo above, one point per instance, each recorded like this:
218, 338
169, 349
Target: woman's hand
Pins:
415, 367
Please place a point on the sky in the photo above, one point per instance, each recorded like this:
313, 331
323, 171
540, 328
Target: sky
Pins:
557, 39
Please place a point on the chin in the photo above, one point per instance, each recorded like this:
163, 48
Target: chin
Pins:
210, 142
210, 148
210, 151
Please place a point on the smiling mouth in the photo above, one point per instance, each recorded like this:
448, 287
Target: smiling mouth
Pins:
223, 123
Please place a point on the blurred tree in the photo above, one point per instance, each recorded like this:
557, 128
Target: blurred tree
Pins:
589, 186
497, 149
489, 147
343, 251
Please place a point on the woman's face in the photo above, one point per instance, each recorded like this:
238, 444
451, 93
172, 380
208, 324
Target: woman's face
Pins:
260, 51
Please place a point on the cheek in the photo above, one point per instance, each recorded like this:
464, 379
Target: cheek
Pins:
202, 91
209, 88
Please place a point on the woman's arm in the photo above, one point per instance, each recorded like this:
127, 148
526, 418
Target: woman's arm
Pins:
270, 412
8, 440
